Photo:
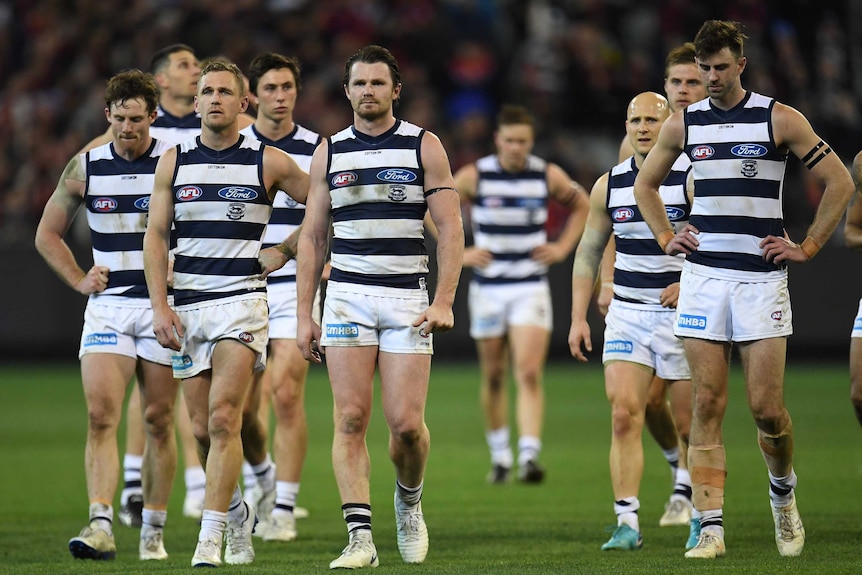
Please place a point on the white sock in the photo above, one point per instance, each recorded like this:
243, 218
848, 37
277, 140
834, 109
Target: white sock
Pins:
196, 482
498, 443
102, 517
627, 512
286, 493
131, 477
528, 449
212, 525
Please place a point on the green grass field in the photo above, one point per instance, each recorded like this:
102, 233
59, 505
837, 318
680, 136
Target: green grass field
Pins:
557, 527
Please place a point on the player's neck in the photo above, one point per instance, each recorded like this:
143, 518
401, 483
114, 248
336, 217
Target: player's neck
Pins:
511, 166
373, 127
220, 139
134, 153
274, 129
177, 107
733, 98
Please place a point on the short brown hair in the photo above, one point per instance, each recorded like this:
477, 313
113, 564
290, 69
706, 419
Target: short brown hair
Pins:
271, 61
684, 54
224, 65
510, 114
715, 35
131, 84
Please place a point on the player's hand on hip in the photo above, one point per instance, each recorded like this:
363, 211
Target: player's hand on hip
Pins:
777, 250
94, 281
270, 259
684, 242
435, 318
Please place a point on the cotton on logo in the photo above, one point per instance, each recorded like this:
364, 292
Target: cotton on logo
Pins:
344, 179
702, 153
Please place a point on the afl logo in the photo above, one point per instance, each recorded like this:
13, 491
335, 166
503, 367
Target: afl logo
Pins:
776, 315
344, 179
104, 204
623, 214
246, 337
702, 153
237, 193
674, 214
748, 150
143, 204
189, 193
396, 175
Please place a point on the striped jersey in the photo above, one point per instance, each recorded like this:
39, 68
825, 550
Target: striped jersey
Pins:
376, 185
117, 198
174, 129
220, 212
641, 269
287, 213
508, 215
739, 176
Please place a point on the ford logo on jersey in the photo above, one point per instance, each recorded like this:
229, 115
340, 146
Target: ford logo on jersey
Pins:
189, 193
748, 150
702, 153
396, 175
623, 214
237, 193
105, 204
143, 204
674, 214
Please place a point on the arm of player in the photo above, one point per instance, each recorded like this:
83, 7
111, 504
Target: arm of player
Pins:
585, 268
311, 248
59, 212
444, 206
653, 172
606, 278
574, 197
853, 223
166, 324
793, 130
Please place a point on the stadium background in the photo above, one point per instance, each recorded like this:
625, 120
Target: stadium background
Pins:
574, 63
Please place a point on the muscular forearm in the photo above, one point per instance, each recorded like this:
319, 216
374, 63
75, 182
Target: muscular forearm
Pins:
450, 255
156, 269
60, 258
653, 211
585, 269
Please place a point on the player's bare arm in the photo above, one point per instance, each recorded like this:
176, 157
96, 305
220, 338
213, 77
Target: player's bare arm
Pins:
311, 247
166, 323
444, 206
793, 131
287, 176
59, 212
588, 257
574, 197
853, 223
466, 183
655, 169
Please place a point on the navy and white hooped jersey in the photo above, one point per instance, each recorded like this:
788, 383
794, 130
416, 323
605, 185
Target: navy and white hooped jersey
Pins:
220, 213
641, 269
287, 213
174, 129
117, 198
508, 215
376, 184
739, 177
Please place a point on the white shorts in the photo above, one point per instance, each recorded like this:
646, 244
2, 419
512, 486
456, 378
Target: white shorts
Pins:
357, 315
726, 310
244, 318
645, 337
857, 324
282, 309
495, 307
110, 327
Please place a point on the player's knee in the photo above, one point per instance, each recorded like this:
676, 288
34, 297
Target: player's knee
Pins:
159, 420
224, 421
351, 421
625, 419
772, 421
102, 419
408, 436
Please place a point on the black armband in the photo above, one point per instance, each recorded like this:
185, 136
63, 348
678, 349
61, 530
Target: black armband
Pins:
435, 190
812, 158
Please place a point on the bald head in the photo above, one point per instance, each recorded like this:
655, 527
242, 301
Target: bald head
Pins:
646, 113
649, 102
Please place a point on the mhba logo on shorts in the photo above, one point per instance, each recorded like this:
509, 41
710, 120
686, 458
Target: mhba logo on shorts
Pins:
181, 361
691, 321
342, 330
100, 339
619, 346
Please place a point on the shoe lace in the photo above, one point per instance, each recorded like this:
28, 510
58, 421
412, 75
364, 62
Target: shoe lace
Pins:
410, 524
707, 539
786, 526
356, 546
236, 539
152, 540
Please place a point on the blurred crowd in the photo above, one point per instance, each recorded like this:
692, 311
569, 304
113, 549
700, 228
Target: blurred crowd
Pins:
574, 63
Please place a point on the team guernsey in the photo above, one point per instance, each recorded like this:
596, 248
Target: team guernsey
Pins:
175, 129
117, 198
220, 213
509, 213
376, 184
287, 213
738, 174
641, 269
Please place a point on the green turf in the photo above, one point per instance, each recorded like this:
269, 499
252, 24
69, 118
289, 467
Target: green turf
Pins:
474, 528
